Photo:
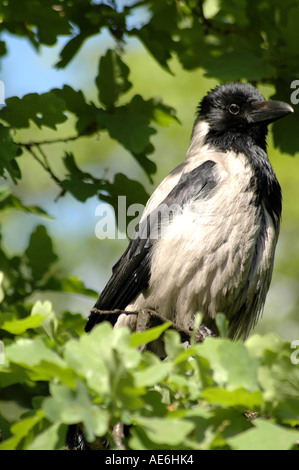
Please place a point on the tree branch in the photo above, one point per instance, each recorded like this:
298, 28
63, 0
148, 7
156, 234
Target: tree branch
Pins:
147, 318
33, 143
44, 163
209, 26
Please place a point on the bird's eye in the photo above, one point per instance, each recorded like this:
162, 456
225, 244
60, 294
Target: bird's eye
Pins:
234, 109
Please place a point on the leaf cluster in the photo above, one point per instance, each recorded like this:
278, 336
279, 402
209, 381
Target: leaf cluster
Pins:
213, 395
256, 41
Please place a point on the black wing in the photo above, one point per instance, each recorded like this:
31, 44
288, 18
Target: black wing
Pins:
131, 274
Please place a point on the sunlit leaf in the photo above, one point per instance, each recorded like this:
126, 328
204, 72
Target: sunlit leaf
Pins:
18, 326
166, 431
71, 407
145, 337
265, 436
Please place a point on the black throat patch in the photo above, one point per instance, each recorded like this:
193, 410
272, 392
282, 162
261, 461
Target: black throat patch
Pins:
264, 183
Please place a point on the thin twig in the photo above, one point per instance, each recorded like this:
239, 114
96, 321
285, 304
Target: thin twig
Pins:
208, 25
33, 143
111, 312
157, 318
46, 167
45, 158
205, 23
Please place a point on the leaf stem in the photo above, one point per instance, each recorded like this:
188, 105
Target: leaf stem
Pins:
47, 142
45, 164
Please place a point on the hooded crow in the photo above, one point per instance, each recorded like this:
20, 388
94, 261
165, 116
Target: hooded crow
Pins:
207, 237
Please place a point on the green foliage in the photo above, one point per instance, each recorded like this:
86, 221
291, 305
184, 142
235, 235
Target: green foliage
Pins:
54, 374
256, 41
44, 110
205, 397
34, 271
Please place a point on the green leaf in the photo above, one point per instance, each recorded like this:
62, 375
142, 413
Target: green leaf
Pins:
129, 125
258, 345
232, 365
80, 184
72, 324
135, 195
284, 130
50, 439
237, 65
20, 431
50, 321
222, 325
162, 114
70, 50
158, 43
102, 355
72, 407
40, 252
83, 185
86, 113
156, 35
173, 344
74, 285
38, 22
112, 80
31, 352
145, 337
152, 375
89, 18
192, 41
169, 431
236, 398
85, 358
3, 49
46, 109
287, 411
278, 377
42, 308
8, 152
16, 327
124, 186
265, 436
126, 395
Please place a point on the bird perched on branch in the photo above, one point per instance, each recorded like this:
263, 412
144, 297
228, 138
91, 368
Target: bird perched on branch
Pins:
207, 237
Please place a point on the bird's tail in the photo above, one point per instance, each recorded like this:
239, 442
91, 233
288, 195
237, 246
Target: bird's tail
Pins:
75, 439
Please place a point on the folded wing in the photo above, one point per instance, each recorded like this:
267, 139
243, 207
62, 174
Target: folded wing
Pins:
131, 274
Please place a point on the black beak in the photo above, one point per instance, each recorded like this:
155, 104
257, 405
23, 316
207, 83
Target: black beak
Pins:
269, 111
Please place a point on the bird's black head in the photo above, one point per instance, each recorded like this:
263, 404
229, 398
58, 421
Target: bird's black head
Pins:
237, 110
